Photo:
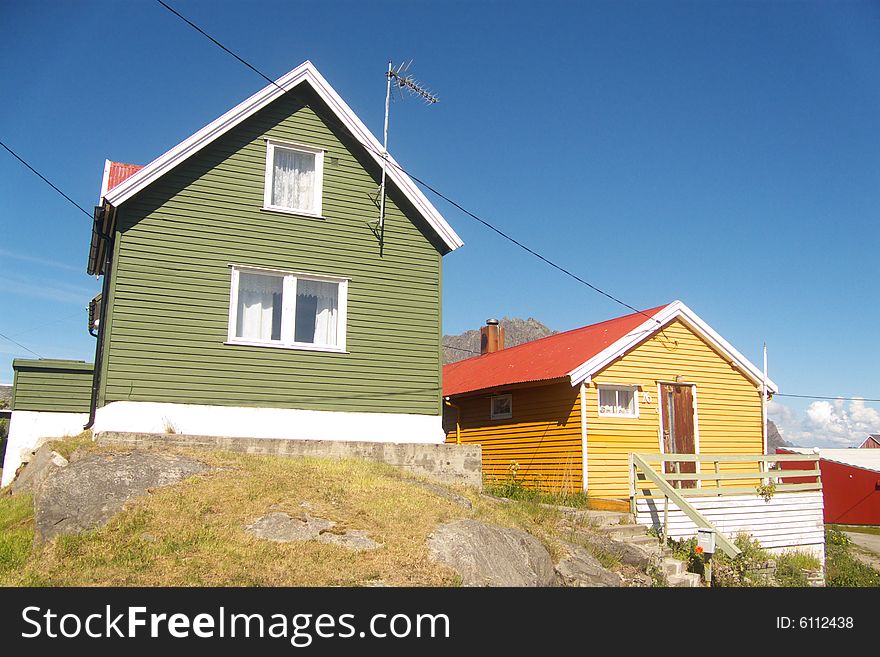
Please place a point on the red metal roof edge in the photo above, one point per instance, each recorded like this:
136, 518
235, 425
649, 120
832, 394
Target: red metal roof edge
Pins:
120, 171
535, 345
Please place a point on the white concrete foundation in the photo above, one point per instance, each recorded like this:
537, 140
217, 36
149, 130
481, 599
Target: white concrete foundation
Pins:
244, 422
28, 428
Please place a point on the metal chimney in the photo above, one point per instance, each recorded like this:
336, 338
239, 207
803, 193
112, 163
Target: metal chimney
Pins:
491, 337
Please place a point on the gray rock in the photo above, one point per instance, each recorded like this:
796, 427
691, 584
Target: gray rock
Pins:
90, 490
487, 555
352, 539
283, 528
628, 553
40, 466
578, 568
460, 500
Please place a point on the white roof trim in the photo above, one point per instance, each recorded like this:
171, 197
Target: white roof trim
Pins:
105, 181
305, 72
675, 310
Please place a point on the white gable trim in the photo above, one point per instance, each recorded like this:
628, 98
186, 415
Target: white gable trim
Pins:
105, 181
675, 310
305, 72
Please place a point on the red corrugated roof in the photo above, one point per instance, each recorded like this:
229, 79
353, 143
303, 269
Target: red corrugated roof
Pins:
119, 172
549, 358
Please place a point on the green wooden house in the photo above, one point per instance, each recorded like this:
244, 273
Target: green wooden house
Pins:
247, 290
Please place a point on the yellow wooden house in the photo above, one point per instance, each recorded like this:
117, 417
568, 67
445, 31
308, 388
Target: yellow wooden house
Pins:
566, 412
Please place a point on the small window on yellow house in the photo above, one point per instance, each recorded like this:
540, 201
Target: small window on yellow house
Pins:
618, 401
501, 407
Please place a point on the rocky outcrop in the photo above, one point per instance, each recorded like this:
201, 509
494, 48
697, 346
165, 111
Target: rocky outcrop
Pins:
487, 555
41, 465
91, 489
578, 568
283, 528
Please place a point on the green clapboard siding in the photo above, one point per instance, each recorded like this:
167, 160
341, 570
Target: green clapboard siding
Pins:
170, 284
58, 386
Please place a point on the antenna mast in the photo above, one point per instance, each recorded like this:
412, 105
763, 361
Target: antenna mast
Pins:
403, 81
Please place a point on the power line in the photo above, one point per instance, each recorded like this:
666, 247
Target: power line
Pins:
218, 44
6, 337
865, 399
46, 180
431, 188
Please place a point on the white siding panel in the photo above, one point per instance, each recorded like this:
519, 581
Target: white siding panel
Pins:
788, 521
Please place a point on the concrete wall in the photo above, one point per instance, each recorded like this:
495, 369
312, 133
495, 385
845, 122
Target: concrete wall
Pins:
28, 428
450, 464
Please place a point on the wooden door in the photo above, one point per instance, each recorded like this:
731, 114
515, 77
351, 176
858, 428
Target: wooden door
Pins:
678, 427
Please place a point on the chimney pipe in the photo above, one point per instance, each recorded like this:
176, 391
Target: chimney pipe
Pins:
491, 337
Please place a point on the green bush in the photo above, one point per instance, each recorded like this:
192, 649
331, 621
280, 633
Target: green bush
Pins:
791, 567
516, 488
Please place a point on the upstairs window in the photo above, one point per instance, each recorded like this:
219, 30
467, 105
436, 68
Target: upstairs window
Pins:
501, 407
294, 178
618, 401
284, 309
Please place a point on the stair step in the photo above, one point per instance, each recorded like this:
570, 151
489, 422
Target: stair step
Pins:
621, 531
673, 567
685, 580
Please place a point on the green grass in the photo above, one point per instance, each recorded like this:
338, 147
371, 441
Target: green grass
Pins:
16, 532
841, 567
858, 529
515, 489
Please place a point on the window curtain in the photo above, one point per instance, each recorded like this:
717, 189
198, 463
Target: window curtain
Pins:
316, 312
293, 180
259, 307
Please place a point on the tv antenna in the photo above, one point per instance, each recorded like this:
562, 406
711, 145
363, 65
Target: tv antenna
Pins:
403, 80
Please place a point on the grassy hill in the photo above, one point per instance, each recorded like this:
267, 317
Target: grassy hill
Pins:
192, 533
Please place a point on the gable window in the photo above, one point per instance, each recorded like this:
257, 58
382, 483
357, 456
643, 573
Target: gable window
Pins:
501, 407
618, 401
286, 309
294, 178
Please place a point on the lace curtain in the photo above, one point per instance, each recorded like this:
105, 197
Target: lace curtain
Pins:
293, 180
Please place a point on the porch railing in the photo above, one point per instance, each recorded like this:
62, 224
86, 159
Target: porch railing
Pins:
646, 482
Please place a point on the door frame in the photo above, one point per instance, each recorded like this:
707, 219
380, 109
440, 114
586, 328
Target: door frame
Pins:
696, 423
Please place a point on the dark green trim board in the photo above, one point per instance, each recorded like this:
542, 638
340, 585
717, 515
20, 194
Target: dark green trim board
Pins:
168, 295
58, 386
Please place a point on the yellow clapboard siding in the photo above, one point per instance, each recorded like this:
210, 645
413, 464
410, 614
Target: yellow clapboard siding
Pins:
543, 438
728, 407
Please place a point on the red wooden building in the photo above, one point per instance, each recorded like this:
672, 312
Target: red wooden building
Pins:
850, 483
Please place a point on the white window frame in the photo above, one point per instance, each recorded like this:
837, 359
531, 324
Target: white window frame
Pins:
634, 389
500, 416
288, 310
271, 145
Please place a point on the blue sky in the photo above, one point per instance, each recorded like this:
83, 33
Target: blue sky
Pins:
726, 154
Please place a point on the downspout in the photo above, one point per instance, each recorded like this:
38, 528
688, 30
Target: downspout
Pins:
457, 420
105, 295
584, 454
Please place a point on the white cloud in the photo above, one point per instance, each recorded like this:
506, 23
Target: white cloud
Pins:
826, 423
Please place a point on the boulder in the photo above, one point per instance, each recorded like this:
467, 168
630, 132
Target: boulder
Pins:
40, 466
578, 568
488, 555
91, 489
